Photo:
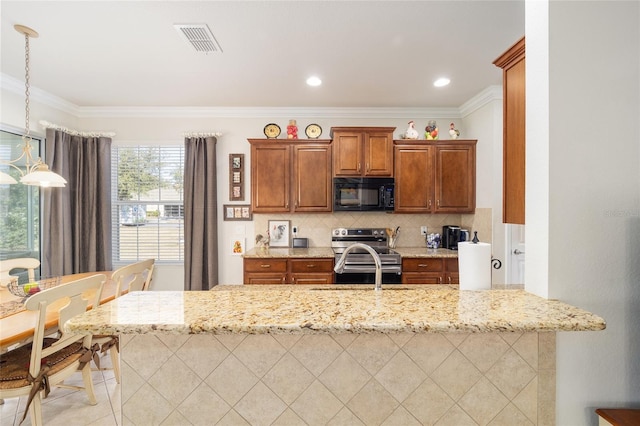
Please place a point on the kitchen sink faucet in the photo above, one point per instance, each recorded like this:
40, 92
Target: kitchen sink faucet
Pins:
376, 258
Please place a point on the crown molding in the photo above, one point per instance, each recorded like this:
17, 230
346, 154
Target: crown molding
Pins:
488, 95
14, 85
267, 112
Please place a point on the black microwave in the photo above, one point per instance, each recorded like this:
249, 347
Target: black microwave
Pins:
363, 194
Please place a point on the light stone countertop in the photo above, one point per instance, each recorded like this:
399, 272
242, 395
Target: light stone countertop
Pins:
326, 252
332, 310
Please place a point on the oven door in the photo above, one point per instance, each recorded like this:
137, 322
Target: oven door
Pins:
368, 278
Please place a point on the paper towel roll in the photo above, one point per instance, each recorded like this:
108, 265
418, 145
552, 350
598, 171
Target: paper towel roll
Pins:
474, 266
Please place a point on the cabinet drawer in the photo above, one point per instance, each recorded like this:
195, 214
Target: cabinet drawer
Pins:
311, 265
422, 265
265, 265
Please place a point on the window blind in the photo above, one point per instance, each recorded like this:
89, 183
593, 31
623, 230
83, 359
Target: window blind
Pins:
147, 203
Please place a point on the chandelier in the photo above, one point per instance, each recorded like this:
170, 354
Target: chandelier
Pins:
34, 172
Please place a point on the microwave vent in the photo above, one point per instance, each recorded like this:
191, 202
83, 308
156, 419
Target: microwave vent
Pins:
199, 36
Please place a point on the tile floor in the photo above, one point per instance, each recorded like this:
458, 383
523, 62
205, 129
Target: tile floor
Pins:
67, 407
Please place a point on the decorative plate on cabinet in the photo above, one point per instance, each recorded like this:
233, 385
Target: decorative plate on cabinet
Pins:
272, 131
313, 131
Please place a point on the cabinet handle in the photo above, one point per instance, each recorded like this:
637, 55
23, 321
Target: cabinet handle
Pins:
422, 265
358, 167
311, 265
265, 266
293, 280
440, 280
449, 280
438, 203
368, 167
284, 279
429, 203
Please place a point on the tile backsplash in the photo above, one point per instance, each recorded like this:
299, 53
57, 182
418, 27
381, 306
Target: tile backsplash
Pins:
317, 227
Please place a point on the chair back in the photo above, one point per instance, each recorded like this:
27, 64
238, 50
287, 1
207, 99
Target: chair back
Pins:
28, 263
134, 277
69, 299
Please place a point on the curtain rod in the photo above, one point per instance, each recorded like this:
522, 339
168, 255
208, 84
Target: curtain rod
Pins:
201, 134
47, 125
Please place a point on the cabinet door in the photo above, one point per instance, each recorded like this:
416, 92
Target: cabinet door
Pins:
257, 278
378, 153
312, 178
455, 180
270, 178
418, 278
414, 179
347, 154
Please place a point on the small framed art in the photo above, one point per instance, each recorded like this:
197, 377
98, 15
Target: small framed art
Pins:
237, 211
237, 246
236, 177
279, 233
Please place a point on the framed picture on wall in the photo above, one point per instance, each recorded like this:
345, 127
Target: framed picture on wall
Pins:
237, 211
279, 233
237, 246
236, 177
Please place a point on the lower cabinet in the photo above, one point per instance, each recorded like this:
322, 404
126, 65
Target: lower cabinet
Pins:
288, 271
430, 270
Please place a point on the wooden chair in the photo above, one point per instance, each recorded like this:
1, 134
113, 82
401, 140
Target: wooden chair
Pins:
134, 277
6, 266
46, 361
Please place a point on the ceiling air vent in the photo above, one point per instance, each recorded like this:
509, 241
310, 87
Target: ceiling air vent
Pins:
199, 36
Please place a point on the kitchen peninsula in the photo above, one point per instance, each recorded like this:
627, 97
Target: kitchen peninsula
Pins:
337, 355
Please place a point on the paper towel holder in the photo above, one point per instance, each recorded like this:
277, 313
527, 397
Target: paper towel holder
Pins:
494, 262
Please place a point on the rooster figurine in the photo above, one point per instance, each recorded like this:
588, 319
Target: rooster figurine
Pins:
411, 132
453, 132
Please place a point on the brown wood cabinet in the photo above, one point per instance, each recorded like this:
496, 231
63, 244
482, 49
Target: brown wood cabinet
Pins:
512, 63
290, 176
423, 270
362, 151
435, 177
288, 271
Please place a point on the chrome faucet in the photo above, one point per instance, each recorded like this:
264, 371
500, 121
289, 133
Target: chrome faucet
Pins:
376, 258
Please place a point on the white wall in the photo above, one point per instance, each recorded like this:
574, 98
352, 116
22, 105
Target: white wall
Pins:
485, 123
592, 226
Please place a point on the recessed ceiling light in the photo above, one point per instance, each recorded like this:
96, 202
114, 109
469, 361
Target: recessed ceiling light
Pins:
314, 81
441, 82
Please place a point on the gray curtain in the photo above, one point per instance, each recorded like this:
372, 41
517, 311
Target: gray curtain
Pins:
200, 214
76, 220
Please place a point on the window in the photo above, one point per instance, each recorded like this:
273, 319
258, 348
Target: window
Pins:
147, 207
19, 204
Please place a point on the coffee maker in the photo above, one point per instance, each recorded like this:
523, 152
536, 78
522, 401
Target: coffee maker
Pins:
450, 237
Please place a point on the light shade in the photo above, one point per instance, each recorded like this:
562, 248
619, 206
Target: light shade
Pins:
43, 177
6, 179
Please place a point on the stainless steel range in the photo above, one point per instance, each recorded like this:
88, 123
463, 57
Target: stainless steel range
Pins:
360, 267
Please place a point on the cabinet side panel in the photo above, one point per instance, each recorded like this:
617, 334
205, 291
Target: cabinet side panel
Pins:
514, 144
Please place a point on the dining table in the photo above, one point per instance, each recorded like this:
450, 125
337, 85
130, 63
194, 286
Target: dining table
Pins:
17, 325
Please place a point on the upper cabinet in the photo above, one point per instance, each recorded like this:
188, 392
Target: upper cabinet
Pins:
362, 151
290, 176
435, 177
512, 63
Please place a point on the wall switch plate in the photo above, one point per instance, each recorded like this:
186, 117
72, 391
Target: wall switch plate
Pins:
423, 230
294, 230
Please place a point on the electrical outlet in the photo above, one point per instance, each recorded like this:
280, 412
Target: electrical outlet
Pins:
294, 230
423, 230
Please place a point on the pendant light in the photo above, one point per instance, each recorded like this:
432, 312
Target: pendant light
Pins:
35, 172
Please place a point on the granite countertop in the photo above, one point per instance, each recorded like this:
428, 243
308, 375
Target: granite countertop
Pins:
405, 252
332, 310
